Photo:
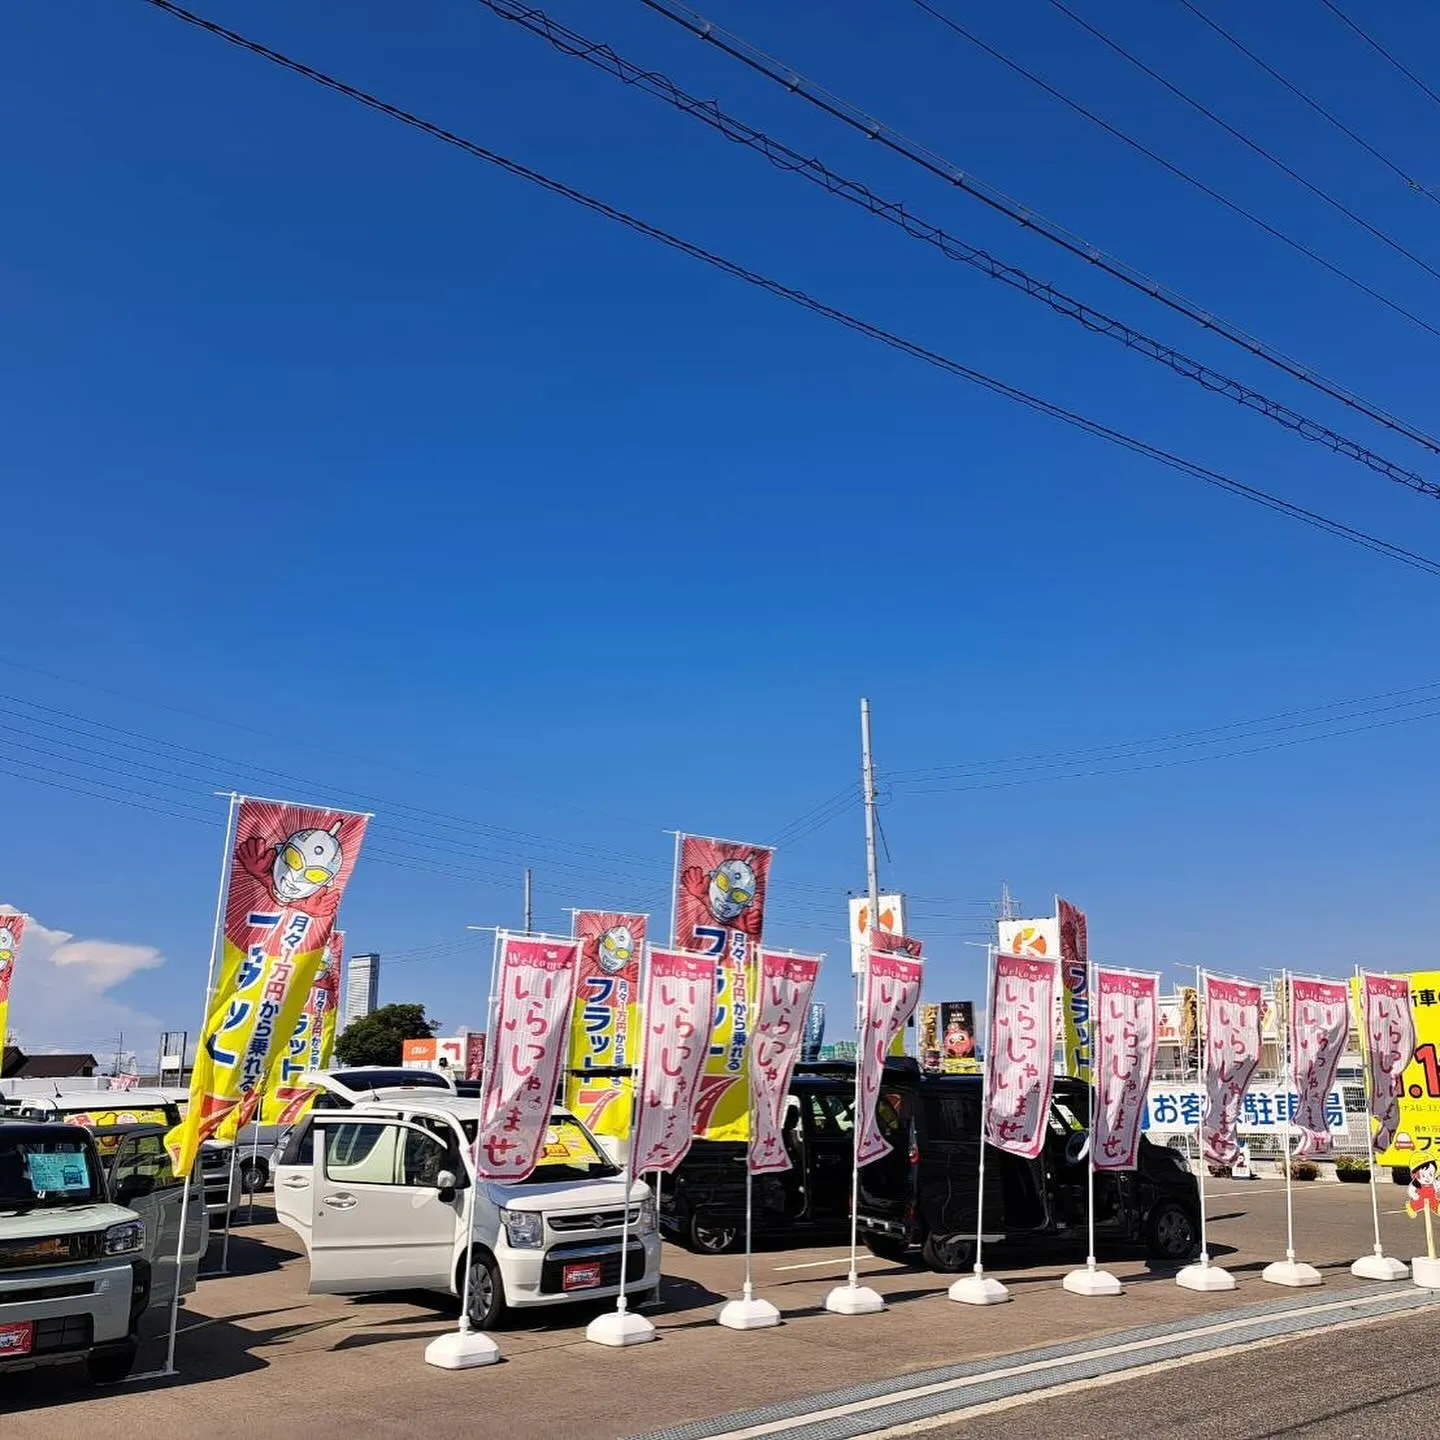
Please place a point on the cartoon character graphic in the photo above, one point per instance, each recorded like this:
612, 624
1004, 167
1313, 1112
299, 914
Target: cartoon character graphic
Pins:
728, 892
300, 872
616, 949
8, 947
1423, 1193
959, 1042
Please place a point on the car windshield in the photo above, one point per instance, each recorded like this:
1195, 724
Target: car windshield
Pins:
569, 1153
46, 1169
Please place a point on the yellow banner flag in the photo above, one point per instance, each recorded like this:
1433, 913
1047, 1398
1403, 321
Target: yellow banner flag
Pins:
12, 930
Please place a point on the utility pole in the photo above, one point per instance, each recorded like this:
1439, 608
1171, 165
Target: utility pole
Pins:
1008, 908
529, 916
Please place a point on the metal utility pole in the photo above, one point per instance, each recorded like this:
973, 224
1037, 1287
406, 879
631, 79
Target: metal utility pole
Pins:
529, 917
1009, 910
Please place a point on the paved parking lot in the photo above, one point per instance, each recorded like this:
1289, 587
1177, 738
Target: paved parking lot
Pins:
259, 1356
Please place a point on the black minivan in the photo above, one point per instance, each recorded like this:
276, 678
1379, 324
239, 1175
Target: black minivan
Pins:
925, 1191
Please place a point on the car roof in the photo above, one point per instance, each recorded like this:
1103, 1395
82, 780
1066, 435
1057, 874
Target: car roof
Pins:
98, 1100
23, 1130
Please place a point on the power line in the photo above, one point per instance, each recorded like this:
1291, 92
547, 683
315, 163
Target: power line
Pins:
1219, 196
791, 80
783, 157
1379, 49
1410, 181
1178, 463
1253, 146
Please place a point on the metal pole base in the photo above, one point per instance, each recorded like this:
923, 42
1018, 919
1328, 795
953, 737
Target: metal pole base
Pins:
1092, 1282
853, 1299
978, 1290
618, 1328
1426, 1272
1204, 1277
750, 1314
1294, 1273
462, 1350
1380, 1267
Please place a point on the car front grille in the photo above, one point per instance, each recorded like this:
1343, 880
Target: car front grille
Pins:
62, 1332
593, 1219
552, 1270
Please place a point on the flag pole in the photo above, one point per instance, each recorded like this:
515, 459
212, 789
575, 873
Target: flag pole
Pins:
1288, 1271
1203, 1276
1378, 1266
978, 1288
234, 801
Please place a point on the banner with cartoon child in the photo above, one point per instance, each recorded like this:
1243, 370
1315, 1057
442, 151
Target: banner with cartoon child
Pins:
720, 911
289, 868
12, 931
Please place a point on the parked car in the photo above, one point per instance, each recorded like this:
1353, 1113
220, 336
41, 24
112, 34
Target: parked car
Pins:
102, 1109
379, 1192
87, 1244
703, 1204
925, 1191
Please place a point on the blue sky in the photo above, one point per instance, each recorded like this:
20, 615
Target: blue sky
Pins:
369, 474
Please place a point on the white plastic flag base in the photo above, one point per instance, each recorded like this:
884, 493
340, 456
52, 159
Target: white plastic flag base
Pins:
853, 1300
1092, 1282
1426, 1272
978, 1290
462, 1350
1380, 1267
1294, 1273
749, 1314
619, 1327
1205, 1277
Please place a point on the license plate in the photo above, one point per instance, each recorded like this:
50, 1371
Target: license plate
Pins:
16, 1338
581, 1277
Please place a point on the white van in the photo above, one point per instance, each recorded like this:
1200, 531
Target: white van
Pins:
379, 1192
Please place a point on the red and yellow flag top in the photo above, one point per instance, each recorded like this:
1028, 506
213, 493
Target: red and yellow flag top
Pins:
12, 931
605, 1030
310, 1047
288, 872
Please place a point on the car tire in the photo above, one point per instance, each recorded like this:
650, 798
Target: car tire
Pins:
949, 1254
487, 1291
1171, 1232
707, 1239
888, 1247
112, 1364
253, 1176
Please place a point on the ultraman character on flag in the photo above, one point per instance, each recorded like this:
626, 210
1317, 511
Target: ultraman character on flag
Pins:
1389, 1036
1126, 1023
537, 991
892, 990
1018, 1057
785, 984
1232, 1053
606, 1011
679, 1002
1319, 1022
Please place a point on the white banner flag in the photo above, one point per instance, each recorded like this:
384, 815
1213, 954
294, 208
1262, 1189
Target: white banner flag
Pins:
679, 1006
1389, 1037
892, 990
1319, 1024
1232, 1052
1020, 1053
1128, 1007
536, 994
786, 983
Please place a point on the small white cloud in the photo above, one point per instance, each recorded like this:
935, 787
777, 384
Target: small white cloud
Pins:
103, 963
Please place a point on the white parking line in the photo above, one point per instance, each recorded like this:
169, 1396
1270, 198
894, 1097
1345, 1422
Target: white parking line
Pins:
816, 1264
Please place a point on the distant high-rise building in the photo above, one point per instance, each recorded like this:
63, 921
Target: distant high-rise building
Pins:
362, 987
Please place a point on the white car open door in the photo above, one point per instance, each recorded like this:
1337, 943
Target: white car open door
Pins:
380, 1218
294, 1180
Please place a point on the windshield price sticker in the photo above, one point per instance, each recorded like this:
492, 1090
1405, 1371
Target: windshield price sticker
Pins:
64, 1174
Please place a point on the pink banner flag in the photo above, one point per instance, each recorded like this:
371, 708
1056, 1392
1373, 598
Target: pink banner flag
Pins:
1020, 1053
786, 983
536, 993
1319, 1023
892, 990
1389, 1046
1232, 1051
1125, 1059
679, 1002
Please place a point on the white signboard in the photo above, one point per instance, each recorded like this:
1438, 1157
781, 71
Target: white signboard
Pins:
1175, 1109
892, 922
1031, 938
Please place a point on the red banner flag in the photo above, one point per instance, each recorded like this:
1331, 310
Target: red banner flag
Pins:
1232, 1052
12, 931
1019, 1056
892, 990
537, 991
1319, 1022
785, 984
1389, 1046
679, 1003
720, 911
1127, 1019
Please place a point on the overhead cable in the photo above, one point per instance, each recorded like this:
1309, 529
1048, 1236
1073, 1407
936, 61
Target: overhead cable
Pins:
1380, 50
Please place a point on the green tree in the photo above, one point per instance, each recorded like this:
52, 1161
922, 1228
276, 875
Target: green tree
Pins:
376, 1038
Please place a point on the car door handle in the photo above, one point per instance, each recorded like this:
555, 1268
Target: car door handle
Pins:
297, 1182
340, 1202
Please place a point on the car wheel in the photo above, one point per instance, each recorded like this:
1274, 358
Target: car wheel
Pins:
948, 1254
707, 1239
487, 1292
253, 1175
887, 1247
111, 1365
1171, 1232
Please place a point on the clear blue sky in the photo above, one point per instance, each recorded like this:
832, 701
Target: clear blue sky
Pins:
330, 451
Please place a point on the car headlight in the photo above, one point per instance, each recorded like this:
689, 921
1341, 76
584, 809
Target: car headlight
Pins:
125, 1239
646, 1225
524, 1229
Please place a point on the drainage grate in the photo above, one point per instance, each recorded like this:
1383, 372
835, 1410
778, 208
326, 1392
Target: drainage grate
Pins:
926, 1394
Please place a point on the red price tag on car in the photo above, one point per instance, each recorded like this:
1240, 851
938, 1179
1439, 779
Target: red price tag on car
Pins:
581, 1277
16, 1338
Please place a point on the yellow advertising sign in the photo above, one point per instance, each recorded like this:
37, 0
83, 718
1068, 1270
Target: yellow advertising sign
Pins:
1417, 1132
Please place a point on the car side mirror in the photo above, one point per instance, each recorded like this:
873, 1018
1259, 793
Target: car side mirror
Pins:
446, 1185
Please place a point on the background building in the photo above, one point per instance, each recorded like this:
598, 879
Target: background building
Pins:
362, 987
